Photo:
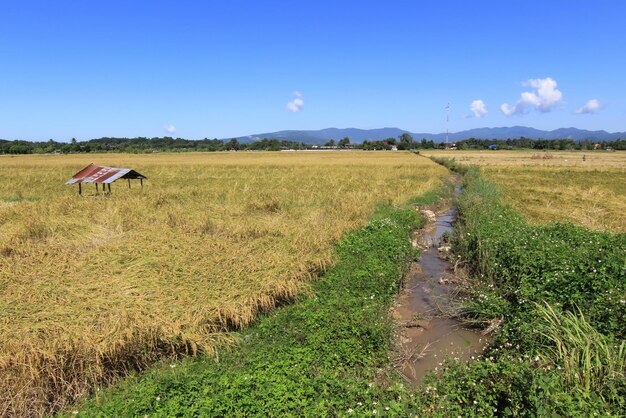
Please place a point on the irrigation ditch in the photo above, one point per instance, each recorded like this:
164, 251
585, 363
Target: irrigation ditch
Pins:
426, 334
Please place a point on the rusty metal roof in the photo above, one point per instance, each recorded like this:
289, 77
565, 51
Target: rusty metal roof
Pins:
99, 174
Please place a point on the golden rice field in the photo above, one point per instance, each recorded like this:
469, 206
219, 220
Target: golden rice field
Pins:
93, 287
557, 185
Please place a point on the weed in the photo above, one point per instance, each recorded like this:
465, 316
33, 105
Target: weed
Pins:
588, 359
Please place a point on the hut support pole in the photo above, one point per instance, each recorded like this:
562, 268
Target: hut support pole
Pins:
129, 183
109, 187
141, 182
80, 189
96, 188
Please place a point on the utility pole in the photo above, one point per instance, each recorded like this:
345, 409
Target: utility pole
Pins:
447, 120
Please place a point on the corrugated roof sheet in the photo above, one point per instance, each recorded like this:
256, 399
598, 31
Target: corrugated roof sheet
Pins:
99, 174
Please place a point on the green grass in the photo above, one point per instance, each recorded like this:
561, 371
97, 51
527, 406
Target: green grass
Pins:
428, 198
590, 361
451, 164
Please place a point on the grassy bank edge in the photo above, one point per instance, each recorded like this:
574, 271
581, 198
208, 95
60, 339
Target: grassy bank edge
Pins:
326, 355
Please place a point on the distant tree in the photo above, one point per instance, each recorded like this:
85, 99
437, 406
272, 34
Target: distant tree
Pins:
343, 143
20, 148
406, 142
330, 143
233, 145
462, 145
74, 147
586, 145
618, 144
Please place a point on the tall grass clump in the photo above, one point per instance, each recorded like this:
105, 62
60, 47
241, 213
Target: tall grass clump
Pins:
450, 163
589, 360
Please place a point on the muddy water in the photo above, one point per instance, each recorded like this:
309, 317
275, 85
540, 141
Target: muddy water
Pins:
426, 336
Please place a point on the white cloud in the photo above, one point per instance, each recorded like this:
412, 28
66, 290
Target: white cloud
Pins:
169, 128
478, 108
592, 106
544, 97
296, 104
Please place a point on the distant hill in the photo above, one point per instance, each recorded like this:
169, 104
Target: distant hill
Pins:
359, 135
323, 135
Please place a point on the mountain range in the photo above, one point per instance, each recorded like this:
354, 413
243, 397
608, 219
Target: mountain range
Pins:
321, 136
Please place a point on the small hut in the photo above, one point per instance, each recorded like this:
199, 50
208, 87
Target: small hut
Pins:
104, 175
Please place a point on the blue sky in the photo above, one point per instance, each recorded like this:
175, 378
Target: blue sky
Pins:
196, 69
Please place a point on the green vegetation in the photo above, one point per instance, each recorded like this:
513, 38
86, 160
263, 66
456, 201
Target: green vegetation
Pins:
548, 358
404, 142
589, 359
538, 144
142, 144
450, 164
567, 266
169, 144
322, 356
441, 197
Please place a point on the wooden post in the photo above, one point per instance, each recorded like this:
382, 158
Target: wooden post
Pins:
96, 188
129, 183
80, 189
141, 181
109, 186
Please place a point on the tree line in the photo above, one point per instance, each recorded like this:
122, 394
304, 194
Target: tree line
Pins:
403, 142
539, 144
141, 145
